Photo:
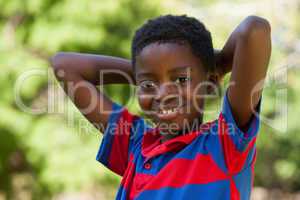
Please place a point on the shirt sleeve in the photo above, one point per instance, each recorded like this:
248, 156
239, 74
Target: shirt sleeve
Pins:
124, 130
238, 146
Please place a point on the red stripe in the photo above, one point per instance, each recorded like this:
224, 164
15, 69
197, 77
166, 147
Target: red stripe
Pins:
235, 160
118, 157
127, 180
234, 192
139, 182
253, 173
207, 172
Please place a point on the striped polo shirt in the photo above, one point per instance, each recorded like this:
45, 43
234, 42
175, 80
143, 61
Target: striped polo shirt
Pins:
215, 162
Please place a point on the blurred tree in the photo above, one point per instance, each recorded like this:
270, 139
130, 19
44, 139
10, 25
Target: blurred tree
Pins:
41, 145
47, 147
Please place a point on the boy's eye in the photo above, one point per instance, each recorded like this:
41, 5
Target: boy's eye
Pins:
182, 80
147, 85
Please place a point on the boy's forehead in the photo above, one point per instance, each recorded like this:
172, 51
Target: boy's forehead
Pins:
162, 55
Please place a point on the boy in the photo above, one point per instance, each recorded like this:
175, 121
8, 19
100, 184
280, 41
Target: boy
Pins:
181, 157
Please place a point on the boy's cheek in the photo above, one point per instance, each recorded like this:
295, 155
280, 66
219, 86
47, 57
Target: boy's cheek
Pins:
145, 102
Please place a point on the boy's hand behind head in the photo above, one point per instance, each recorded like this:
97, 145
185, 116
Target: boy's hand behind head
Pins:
223, 65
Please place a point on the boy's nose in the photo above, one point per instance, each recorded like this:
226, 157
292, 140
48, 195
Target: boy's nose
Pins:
166, 92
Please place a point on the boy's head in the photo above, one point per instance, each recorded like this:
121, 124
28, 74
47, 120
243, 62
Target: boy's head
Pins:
172, 57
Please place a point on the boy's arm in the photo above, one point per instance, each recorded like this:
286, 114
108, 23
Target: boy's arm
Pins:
246, 54
80, 73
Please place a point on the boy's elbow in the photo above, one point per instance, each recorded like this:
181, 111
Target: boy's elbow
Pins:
256, 27
57, 61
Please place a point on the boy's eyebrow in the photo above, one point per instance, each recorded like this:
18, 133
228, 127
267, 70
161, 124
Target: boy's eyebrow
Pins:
145, 74
180, 68
174, 69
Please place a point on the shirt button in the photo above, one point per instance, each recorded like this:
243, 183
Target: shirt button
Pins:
147, 166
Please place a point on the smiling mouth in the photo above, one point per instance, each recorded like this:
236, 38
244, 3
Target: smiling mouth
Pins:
168, 113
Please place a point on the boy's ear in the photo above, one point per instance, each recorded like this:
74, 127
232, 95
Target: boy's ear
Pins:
213, 86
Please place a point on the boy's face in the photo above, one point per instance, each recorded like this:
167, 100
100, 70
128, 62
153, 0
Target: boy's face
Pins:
170, 92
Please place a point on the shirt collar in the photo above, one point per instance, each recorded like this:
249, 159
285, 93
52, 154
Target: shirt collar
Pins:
152, 146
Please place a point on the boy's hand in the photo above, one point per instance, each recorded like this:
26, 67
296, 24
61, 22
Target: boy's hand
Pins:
79, 75
223, 64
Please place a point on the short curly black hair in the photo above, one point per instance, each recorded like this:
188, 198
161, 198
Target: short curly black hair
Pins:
177, 29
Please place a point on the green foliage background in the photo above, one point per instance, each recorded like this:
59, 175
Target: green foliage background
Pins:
42, 155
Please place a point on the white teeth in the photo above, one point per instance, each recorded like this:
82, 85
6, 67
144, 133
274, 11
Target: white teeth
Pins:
165, 112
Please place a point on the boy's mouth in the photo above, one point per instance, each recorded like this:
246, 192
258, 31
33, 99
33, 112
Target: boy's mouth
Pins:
168, 113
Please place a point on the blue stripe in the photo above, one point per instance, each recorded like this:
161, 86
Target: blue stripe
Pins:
122, 193
236, 134
214, 147
106, 144
210, 191
243, 183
